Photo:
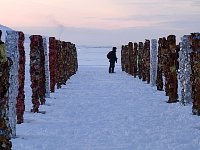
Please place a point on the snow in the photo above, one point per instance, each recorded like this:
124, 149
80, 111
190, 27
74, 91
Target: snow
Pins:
4, 29
101, 111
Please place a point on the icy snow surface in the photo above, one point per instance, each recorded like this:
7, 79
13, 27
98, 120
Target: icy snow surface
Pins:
101, 111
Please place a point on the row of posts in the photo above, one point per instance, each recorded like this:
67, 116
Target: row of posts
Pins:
61, 64
162, 62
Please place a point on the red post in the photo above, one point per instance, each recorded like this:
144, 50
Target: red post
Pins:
20, 106
52, 63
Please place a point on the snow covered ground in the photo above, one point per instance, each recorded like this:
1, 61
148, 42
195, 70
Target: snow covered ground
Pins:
101, 111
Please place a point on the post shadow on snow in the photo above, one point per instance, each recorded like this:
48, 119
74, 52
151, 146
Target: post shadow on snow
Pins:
40, 111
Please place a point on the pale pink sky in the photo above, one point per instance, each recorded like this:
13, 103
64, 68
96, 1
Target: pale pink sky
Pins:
95, 17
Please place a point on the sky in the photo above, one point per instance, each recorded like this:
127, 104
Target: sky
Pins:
102, 22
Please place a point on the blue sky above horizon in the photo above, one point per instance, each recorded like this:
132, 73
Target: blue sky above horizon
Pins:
105, 22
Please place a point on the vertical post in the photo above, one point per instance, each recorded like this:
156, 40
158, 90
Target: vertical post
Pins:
135, 54
146, 61
64, 61
5, 130
140, 60
153, 62
47, 93
42, 81
126, 58
71, 65
185, 71
37, 71
143, 63
20, 106
194, 40
75, 58
122, 58
164, 63
58, 64
13, 53
171, 77
159, 78
131, 59
52, 63
70, 59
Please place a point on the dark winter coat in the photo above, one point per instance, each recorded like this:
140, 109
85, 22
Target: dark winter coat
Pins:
112, 56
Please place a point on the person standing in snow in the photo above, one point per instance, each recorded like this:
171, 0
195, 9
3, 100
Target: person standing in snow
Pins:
112, 59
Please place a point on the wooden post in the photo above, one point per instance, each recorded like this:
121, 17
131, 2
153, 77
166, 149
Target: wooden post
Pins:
164, 62
64, 62
171, 77
58, 64
159, 79
135, 59
126, 58
131, 59
140, 60
146, 61
37, 71
52, 62
20, 106
194, 40
122, 58
5, 130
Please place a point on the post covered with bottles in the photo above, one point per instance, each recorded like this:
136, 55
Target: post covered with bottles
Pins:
171, 73
153, 62
13, 54
37, 71
52, 63
20, 106
185, 71
5, 130
194, 40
